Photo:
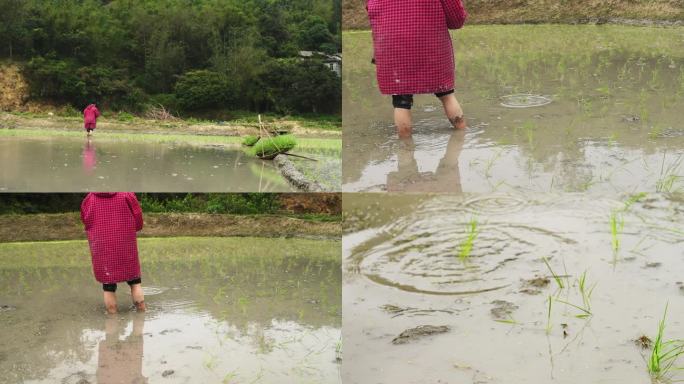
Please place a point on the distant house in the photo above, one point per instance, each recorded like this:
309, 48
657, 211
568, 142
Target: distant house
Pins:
334, 62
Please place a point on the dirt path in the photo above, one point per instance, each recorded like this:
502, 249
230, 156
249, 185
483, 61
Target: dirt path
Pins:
67, 226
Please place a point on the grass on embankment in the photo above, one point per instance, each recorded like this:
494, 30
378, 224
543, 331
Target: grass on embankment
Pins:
314, 126
539, 11
75, 253
68, 226
192, 139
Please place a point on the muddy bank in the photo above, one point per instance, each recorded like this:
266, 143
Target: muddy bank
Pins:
296, 178
67, 226
139, 125
659, 12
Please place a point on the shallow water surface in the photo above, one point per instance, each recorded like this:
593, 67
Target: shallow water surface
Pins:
550, 109
75, 165
401, 270
248, 310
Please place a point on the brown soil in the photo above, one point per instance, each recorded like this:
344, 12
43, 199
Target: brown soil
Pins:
421, 331
67, 226
321, 203
546, 11
13, 88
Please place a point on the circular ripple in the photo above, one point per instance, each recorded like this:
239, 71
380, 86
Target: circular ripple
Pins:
419, 253
495, 204
524, 100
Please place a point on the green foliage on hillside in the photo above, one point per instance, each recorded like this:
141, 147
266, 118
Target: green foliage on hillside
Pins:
123, 53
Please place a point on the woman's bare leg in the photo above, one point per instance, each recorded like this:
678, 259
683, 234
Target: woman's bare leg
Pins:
402, 120
110, 302
453, 111
138, 297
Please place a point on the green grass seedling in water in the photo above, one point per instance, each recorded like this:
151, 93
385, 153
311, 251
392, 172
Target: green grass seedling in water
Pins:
558, 279
664, 354
585, 291
548, 315
617, 224
467, 245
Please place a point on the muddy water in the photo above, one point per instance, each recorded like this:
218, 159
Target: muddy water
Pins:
219, 310
401, 270
550, 108
64, 164
326, 170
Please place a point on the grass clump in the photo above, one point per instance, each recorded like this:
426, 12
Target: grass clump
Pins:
467, 245
272, 146
664, 354
249, 141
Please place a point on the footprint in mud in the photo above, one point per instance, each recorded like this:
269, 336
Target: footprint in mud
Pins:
173, 330
503, 309
168, 372
535, 286
7, 308
397, 311
418, 332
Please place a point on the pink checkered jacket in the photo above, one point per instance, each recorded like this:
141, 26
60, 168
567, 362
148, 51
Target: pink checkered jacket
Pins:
413, 49
111, 221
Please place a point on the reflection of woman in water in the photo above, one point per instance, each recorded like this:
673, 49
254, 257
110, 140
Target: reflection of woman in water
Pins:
414, 54
120, 361
89, 157
446, 178
111, 221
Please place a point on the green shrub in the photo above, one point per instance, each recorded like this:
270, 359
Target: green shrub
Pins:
197, 90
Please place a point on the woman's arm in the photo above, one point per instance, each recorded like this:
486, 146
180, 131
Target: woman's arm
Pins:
135, 210
455, 14
86, 212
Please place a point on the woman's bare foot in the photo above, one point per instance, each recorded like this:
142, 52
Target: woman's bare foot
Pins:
110, 302
138, 297
402, 120
453, 111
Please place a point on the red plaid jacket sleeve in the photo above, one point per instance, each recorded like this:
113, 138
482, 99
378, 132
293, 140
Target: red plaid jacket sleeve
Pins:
455, 13
135, 209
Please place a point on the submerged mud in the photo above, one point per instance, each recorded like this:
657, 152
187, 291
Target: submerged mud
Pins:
498, 310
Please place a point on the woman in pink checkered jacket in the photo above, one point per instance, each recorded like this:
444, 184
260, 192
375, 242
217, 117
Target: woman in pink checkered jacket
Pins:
414, 54
111, 221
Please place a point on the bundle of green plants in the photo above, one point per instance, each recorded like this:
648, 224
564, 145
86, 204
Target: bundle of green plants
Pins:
250, 140
270, 147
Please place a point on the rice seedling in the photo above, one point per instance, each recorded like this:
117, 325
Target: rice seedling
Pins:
664, 354
585, 291
467, 245
272, 146
585, 311
249, 141
557, 278
669, 176
617, 224
548, 315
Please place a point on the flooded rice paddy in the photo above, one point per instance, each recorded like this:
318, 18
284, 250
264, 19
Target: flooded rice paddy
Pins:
229, 310
550, 108
71, 164
456, 288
